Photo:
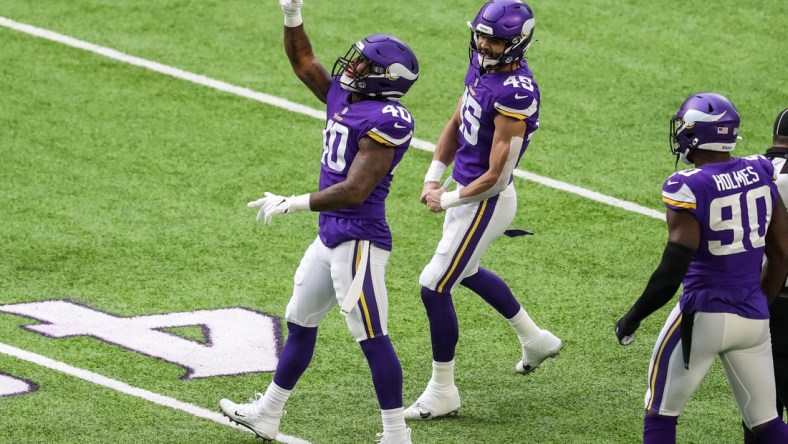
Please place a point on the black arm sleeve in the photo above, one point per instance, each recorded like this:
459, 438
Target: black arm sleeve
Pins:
663, 282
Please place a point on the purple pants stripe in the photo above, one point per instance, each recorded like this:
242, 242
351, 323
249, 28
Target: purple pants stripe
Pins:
659, 371
367, 303
468, 245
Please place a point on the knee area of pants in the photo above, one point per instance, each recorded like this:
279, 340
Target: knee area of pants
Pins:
300, 330
291, 318
428, 277
427, 292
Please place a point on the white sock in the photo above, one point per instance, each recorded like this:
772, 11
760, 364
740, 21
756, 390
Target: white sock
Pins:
275, 398
393, 422
442, 375
525, 327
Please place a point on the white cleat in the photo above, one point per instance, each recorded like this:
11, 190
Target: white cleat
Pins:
386, 438
432, 404
546, 345
253, 417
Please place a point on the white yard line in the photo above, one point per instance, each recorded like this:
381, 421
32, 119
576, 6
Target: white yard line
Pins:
298, 108
588, 194
269, 100
122, 387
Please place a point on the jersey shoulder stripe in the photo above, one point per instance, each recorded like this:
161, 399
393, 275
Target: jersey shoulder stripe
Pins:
381, 137
520, 114
679, 204
683, 198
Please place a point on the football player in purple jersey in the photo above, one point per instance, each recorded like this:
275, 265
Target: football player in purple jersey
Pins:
723, 216
484, 139
366, 134
778, 309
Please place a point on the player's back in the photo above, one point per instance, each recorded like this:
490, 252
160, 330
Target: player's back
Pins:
733, 203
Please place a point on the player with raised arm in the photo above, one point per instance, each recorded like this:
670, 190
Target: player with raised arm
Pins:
366, 134
722, 217
485, 139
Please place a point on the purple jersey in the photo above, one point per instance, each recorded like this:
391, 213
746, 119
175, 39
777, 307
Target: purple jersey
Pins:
386, 122
733, 203
514, 94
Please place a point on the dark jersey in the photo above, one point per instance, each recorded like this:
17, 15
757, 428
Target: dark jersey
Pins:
514, 94
733, 204
386, 122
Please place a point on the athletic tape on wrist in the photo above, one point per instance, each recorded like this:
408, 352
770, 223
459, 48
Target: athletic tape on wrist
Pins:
300, 203
435, 171
450, 199
293, 20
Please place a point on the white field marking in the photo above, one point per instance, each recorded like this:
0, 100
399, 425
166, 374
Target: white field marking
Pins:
593, 195
300, 109
129, 390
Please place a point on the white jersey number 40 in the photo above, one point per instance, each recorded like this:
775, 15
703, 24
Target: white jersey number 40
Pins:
334, 145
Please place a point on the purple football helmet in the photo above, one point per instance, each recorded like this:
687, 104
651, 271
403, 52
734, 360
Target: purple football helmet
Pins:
393, 67
705, 121
509, 21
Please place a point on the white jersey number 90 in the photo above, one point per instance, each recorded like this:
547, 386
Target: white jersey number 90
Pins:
734, 220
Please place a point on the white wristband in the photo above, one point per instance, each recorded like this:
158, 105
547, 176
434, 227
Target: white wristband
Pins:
450, 199
435, 172
299, 203
293, 20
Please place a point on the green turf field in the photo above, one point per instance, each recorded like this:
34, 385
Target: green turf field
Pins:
123, 217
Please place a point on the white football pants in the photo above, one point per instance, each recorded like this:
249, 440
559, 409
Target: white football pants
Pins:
468, 231
745, 348
323, 279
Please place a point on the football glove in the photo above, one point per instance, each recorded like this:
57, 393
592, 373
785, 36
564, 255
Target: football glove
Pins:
273, 204
625, 330
292, 10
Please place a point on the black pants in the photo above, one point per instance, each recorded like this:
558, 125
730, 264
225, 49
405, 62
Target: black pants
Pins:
779, 328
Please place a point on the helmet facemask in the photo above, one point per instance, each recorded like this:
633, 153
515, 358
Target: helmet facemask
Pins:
510, 22
511, 46
681, 149
350, 63
514, 48
380, 66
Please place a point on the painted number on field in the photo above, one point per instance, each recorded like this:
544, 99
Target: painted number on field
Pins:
235, 340
12, 386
